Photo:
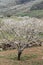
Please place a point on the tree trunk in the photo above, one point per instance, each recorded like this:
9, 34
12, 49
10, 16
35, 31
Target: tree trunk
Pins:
19, 55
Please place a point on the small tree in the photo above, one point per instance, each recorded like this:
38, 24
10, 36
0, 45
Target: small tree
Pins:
24, 37
23, 34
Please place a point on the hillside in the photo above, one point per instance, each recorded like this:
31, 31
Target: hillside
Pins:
13, 7
38, 6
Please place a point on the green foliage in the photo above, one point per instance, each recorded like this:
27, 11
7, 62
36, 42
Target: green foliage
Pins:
27, 57
33, 13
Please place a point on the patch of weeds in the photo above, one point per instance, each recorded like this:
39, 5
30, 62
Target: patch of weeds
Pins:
39, 62
23, 58
35, 63
0, 20
12, 57
2, 56
33, 56
16, 18
0, 49
27, 57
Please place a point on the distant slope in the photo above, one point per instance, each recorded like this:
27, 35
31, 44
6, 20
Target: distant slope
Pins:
38, 6
14, 7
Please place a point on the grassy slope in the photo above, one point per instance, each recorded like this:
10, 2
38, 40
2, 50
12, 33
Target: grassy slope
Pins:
38, 13
20, 8
33, 13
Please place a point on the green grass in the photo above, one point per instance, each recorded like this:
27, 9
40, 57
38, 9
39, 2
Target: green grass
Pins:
23, 58
1, 19
7, 35
41, 34
27, 57
16, 18
39, 62
33, 13
2, 56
